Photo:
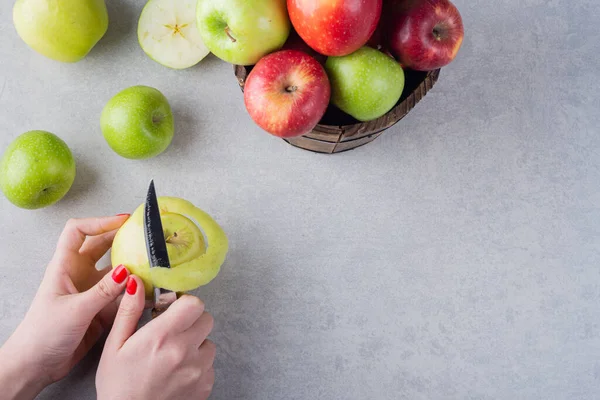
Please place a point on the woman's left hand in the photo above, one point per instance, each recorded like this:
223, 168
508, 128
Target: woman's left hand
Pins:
75, 304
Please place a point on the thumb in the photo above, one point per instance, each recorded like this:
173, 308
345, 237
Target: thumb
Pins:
104, 292
129, 314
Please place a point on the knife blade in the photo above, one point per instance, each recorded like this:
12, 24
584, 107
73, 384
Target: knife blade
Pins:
156, 246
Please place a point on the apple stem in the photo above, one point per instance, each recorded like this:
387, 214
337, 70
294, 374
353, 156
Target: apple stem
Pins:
291, 89
228, 32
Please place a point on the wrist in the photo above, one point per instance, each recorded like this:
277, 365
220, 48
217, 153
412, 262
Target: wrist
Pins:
19, 376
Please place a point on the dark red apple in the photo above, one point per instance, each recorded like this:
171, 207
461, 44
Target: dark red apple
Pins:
425, 34
335, 27
287, 93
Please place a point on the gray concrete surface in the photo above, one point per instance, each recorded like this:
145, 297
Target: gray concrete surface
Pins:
457, 257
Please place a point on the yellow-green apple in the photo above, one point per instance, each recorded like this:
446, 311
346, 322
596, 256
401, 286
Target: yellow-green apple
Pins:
242, 32
365, 84
335, 27
196, 244
37, 170
425, 34
287, 93
137, 123
62, 30
168, 34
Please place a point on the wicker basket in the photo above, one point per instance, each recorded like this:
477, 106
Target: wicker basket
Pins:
338, 132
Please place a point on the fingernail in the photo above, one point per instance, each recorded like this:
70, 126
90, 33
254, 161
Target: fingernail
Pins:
131, 286
123, 215
119, 274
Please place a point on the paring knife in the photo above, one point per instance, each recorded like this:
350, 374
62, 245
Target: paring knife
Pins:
157, 250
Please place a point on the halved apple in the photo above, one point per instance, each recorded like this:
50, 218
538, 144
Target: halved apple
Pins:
167, 33
196, 244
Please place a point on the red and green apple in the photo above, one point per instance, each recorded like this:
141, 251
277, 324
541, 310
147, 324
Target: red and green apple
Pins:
335, 27
287, 93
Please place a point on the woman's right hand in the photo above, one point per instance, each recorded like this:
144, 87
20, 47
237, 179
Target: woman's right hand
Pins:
168, 358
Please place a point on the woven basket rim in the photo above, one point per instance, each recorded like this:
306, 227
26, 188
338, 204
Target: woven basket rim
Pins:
242, 79
397, 105
334, 138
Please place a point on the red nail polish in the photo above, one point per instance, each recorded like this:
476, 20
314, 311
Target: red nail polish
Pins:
123, 215
119, 274
131, 286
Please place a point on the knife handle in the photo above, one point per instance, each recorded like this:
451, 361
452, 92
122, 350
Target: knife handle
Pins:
164, 299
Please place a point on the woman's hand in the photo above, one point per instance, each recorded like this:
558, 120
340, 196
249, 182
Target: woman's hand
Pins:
168, 358
74, 305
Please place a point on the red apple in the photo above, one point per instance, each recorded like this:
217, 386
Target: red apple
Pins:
287, 93
425, 34
335, 27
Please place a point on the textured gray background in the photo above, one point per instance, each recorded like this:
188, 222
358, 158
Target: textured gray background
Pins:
456, 257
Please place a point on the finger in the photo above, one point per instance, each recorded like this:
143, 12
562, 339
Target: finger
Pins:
128, 315
84, 280
207, 354
182, 314
107, 315
102, 293
102, 272
206, 383
76, 230
91, 337
95, 247
199, 331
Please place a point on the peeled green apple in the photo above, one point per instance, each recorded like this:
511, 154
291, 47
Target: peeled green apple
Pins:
196, 244
365, 84
36, 170
137, 123
168, 34
63, 30
242, 32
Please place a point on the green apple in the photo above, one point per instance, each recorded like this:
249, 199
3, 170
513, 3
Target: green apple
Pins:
365, 84
196, 244
137, 123
63, 30
242, 32
36, 170
168, 34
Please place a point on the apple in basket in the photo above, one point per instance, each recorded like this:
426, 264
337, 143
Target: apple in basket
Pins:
287, 93
335, 28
